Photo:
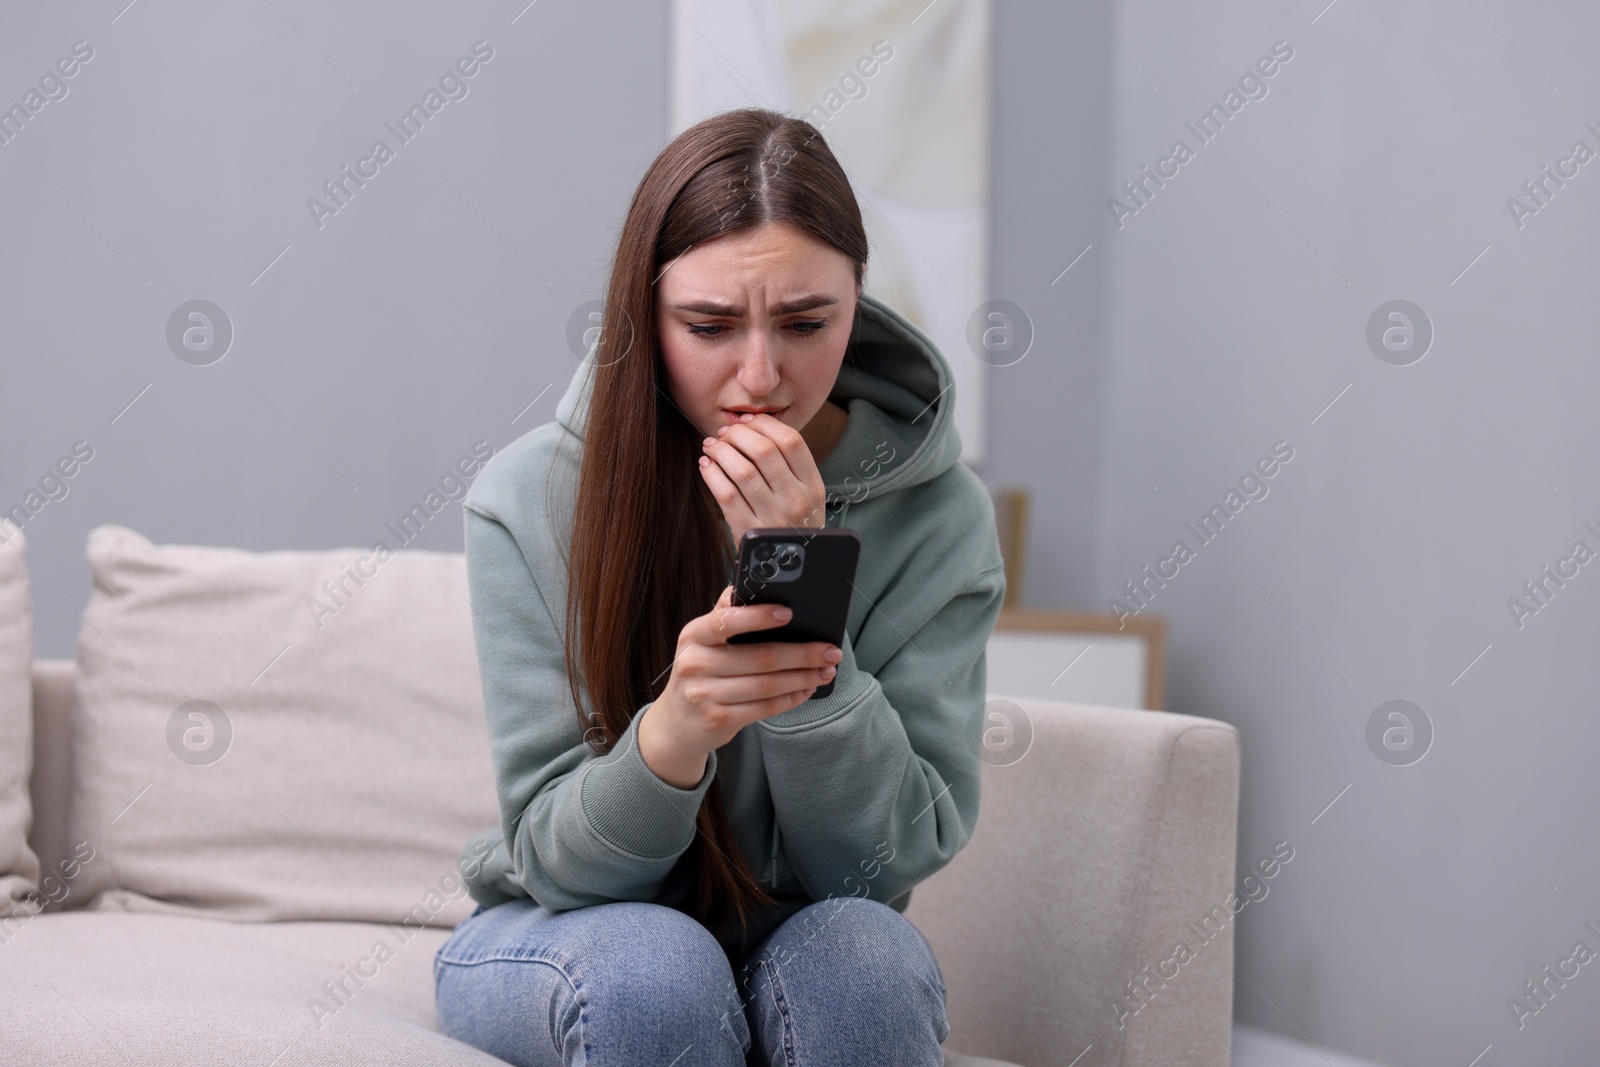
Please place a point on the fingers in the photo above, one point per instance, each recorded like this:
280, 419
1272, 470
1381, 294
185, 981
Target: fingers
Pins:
741, 683
753, 689
762, 473
765, 709
796, 453
768, 447
736, 509
751, 681
736, 674
727, 619
756, 473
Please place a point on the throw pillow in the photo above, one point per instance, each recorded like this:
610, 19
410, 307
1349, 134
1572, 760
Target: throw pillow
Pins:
278, 735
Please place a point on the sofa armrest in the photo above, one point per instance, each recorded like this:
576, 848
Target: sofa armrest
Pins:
51, 786
1106, 845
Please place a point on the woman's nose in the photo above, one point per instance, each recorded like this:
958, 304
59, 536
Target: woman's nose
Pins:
758, 372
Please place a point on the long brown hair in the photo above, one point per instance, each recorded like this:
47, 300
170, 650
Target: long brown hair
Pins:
649, 548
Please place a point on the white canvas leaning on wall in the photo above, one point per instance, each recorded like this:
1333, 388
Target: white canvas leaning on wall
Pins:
901, 92
1110, 670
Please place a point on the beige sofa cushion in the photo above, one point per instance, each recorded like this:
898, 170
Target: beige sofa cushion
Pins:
19, 867
258, 737
162, 991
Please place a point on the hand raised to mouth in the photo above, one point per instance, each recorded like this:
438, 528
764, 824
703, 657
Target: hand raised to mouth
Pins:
762, 473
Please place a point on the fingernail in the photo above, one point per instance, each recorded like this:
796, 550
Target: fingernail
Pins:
833, 655
746, 417
708, 441
782, 614
828, 672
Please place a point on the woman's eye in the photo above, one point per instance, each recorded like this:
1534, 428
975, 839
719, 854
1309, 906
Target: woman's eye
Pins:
714, 329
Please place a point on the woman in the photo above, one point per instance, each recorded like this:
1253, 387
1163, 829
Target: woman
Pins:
697, 863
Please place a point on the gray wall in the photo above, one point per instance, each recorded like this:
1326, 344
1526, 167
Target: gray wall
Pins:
1052, 127
1380, 562
1218, 320
420, 319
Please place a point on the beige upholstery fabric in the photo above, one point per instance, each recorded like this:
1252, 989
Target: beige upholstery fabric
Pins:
1092, 854
165, 990
19, 866
241, 752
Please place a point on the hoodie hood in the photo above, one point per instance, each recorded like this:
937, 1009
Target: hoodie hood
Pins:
898, 390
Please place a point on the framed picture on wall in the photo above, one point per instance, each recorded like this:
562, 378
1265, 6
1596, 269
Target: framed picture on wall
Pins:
1079, 657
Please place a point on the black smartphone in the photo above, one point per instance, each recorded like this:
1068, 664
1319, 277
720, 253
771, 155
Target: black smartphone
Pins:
812, 571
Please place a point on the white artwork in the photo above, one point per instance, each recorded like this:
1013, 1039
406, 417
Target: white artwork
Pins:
901, 92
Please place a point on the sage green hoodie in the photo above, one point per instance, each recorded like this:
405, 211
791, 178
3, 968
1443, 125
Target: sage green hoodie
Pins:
864, 793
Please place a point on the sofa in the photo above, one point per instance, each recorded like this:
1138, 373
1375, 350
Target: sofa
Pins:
244, 803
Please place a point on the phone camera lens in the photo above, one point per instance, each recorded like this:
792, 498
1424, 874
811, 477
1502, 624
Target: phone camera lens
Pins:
789, 556
765, 569
765, 550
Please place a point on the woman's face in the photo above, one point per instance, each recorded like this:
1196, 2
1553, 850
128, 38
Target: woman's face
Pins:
755, 321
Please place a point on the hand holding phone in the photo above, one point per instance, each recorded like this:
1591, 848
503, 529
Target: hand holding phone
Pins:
720, 685
811, 571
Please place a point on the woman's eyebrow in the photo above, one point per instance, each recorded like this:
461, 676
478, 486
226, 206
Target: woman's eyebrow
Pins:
728, 311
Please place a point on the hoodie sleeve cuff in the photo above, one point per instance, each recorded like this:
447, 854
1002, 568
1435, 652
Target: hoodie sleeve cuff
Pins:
851, 686
632, 809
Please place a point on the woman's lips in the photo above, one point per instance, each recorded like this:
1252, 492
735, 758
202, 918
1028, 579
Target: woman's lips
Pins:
733, 416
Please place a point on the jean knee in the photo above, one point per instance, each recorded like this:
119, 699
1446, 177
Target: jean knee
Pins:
657, 960
876, 963
881, 931
619, 982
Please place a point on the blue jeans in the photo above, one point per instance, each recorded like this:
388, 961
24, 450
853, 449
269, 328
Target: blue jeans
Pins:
842, 982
